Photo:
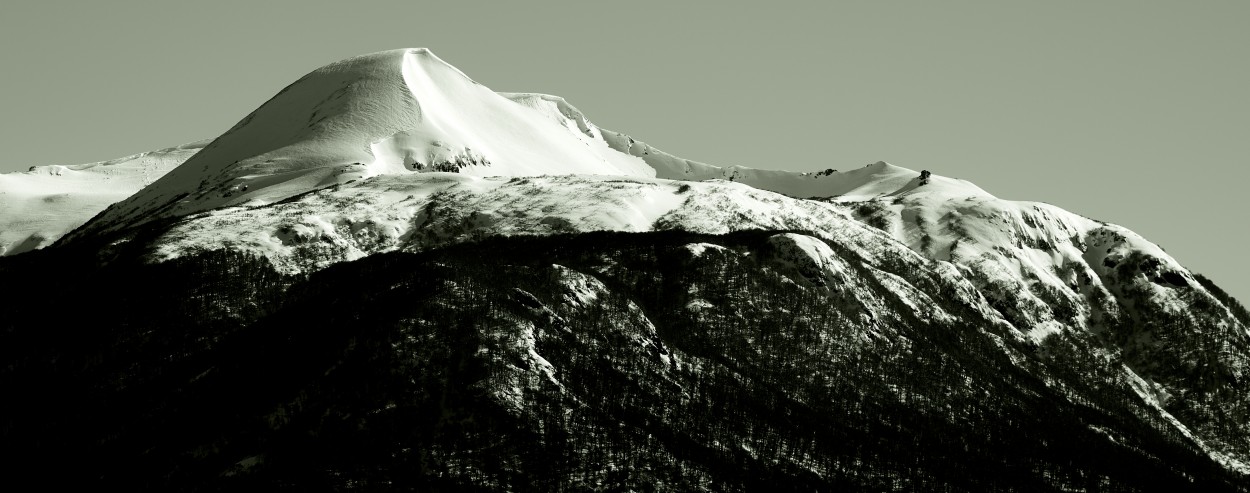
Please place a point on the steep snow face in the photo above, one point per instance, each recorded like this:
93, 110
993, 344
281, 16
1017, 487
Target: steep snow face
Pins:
394, 112
39, 206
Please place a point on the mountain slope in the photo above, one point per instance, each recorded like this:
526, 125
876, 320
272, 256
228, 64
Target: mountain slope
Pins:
611, 361
39, 206
1049, 271
1039, 270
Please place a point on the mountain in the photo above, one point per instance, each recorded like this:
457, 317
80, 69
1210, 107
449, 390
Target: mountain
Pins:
391, 277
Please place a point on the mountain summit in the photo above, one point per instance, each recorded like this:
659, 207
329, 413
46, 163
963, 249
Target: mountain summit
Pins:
399, 111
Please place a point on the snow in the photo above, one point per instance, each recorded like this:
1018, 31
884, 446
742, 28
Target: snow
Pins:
808, 256
1027, 255
366, 122
580, 290
39, 206
406, 111
394, 112
918, 301
417, 211
1155, 396
1049, 273
1044, 330
698, 249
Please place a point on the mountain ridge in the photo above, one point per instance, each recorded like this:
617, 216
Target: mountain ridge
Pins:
384, 130
355, 119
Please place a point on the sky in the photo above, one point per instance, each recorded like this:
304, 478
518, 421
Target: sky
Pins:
1131, 112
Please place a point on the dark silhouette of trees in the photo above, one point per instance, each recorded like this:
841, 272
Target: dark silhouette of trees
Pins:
606, 361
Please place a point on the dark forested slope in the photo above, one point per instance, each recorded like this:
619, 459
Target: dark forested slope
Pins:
615, 361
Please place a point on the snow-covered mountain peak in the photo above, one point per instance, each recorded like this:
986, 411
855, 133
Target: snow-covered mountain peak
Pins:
398, 111
407, 111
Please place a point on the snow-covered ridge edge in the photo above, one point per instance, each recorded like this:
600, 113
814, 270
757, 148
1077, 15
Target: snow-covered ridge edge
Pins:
873, 180
42, 204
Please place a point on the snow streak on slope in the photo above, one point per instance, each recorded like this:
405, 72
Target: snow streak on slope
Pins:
39, 206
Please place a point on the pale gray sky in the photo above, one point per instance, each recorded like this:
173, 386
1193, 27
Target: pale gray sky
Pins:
1133, 112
